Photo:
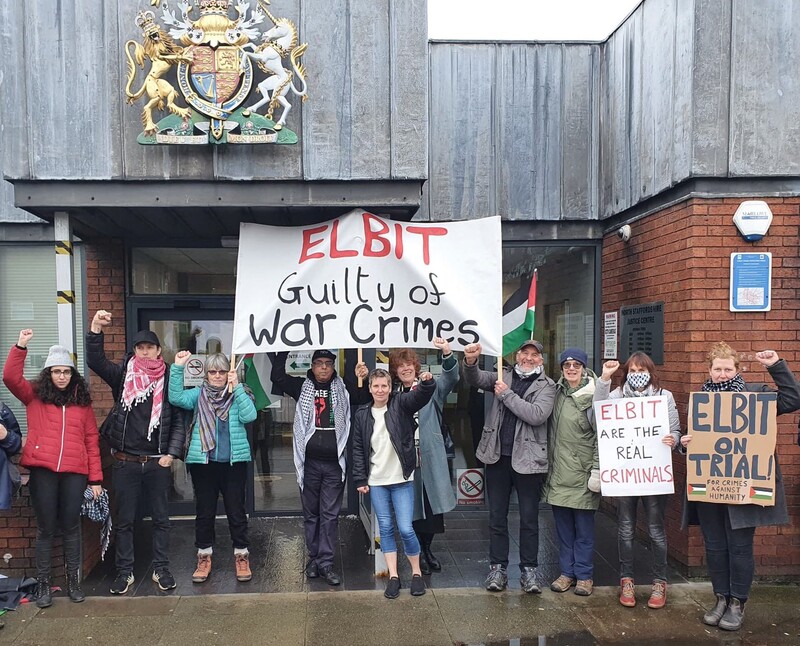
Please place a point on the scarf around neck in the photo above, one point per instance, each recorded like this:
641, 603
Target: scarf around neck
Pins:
735, 385
214, 402
143, 377
627, 391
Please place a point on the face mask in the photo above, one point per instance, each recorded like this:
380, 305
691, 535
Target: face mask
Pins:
638, 380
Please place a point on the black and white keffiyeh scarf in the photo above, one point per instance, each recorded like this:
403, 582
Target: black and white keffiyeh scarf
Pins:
735, 385
97, 510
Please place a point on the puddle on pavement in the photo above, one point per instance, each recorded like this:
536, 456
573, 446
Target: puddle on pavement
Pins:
584, 638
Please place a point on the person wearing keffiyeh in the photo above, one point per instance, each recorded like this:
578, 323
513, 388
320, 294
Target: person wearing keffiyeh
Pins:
728, 530
218, 455
145, 434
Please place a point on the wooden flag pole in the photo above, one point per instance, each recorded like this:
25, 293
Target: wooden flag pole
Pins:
233, 363
360, 360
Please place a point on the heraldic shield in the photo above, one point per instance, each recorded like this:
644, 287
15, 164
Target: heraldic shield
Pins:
215, 72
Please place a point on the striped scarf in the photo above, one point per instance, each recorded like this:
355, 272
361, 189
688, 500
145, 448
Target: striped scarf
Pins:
143, 377
96, 509
214, 402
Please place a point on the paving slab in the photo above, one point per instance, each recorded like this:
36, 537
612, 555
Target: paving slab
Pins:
368, 618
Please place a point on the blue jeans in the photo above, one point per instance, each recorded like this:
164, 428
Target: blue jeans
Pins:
401, 498
729, 552
575, 529
654, 507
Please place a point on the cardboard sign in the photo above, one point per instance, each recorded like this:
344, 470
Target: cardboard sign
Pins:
634, 461
364, 281
731, 458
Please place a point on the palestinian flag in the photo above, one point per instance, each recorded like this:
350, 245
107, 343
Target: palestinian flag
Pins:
760, 493
519, 313
257, 377
696, 489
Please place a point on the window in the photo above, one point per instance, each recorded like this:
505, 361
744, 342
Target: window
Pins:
183, 271
28, 288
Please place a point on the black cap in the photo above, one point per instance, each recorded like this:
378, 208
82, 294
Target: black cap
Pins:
539, 347
145, 336
323, 354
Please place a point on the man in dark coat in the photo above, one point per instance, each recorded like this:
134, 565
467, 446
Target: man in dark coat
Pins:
145, 434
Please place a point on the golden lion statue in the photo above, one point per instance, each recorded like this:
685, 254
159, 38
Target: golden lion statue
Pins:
163, 53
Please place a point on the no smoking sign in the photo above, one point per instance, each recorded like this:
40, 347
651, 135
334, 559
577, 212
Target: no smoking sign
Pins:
194, 373
470, 486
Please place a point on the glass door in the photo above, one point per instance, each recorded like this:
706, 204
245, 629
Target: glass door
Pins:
272, 485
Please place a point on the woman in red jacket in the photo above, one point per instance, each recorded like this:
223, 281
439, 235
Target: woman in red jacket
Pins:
61, 451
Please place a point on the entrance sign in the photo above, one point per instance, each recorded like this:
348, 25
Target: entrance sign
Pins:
364, 281
633, 459
731, 456
470, 486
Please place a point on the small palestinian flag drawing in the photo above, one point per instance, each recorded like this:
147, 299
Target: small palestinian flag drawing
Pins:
760, 493
697, 490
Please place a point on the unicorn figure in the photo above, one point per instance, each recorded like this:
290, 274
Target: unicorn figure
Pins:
278, 42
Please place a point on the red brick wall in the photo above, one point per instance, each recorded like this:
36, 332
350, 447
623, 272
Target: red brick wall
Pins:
681, 255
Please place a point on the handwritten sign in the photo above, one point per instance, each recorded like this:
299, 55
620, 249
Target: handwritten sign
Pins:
364, 281
634, 461
731, 456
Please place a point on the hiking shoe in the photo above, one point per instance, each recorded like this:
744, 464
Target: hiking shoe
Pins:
528, 580
417, 586
583, 588
203, 568
497, 581
734, 615
562, 583
658, 596
76, 595
44, 594
312, 570
122, 582
164, 579
627, 594
330, 576
392, 590
243, 572
712, 617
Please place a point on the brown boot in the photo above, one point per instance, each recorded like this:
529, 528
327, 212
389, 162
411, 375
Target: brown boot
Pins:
658, 596
583, 588
203, 568
243, 572
627, 595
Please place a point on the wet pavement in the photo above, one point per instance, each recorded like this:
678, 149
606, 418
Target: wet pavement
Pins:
279, 606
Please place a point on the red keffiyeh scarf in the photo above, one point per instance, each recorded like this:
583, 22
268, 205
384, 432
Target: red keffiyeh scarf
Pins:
143, 377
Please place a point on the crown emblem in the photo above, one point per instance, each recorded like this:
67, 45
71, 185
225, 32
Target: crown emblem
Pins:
210, 7
146, 21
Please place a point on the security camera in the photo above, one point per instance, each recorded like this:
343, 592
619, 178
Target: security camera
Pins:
624, 232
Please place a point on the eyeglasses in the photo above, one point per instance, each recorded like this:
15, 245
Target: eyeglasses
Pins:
322, 364
216, 372
61, 373
572, 364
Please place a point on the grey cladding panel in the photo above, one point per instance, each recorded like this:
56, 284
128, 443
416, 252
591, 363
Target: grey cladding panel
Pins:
369, 89
683, 90
16, 125
408, 24
765, 88
461, 145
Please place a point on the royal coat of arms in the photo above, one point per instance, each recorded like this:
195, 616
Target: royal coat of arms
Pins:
213, 56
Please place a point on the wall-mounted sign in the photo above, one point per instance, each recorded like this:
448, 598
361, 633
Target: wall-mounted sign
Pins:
214, 55
610, 329
751, 282
643, 330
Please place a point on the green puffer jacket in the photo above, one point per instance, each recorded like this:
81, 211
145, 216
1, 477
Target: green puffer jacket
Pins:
242, 411
572, 447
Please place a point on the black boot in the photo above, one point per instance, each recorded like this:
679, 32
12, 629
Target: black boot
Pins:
74, 588
424, 566
44, 597
436, 566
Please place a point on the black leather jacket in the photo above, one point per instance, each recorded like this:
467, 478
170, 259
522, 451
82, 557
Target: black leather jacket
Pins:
400, 424
171, 431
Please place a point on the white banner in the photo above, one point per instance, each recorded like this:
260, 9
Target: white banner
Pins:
633, 459
363, 281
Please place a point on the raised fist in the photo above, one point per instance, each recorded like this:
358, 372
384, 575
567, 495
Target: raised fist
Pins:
609, 368
100, 320
182, 357
24, 337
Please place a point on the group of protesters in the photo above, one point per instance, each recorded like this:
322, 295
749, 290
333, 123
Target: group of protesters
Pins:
538, 439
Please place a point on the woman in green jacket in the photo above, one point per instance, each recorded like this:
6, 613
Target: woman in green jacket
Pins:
573, 481
218, 455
